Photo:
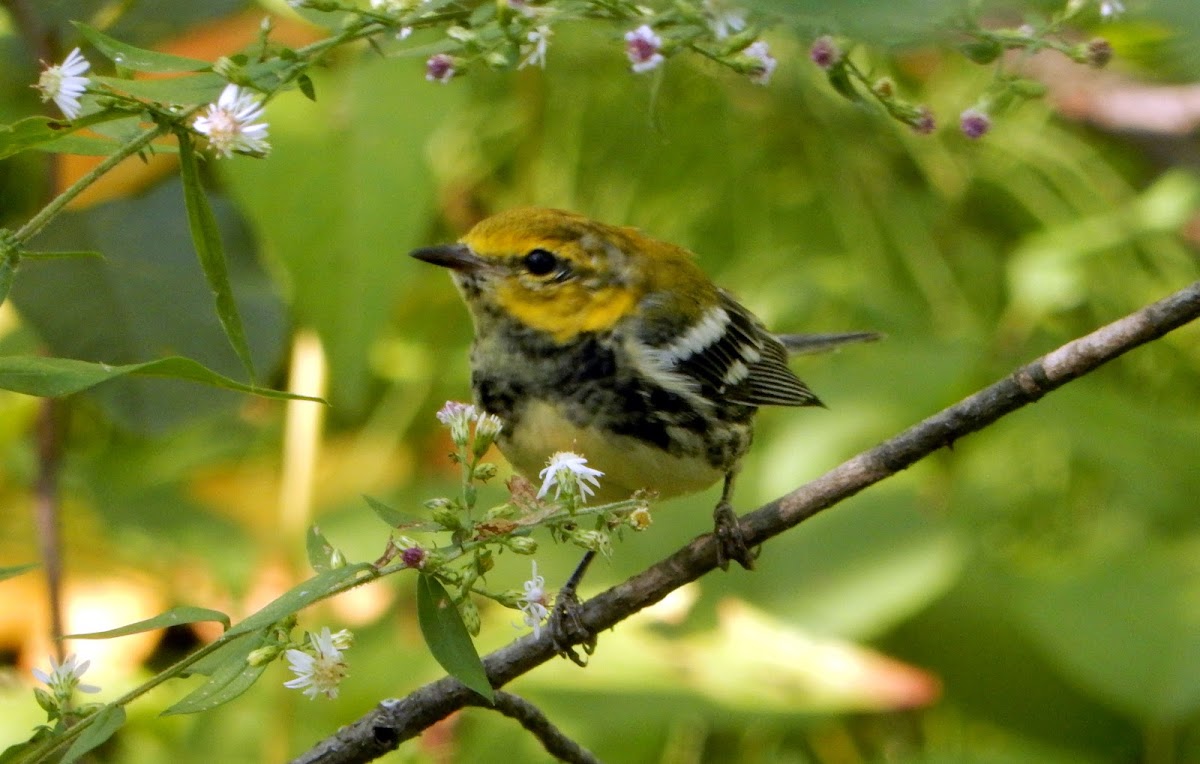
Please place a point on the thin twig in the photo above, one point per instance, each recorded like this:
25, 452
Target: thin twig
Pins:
396, 720
46, 512
556, 743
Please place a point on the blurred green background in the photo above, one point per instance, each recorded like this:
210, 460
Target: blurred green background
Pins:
1031, 595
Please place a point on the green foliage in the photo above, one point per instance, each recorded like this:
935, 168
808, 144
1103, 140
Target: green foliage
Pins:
1042, 570
447, 636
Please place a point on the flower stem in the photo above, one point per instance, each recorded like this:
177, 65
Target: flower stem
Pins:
36, 223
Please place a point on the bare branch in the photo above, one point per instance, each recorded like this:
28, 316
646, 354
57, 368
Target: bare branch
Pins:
394, 721
556, 743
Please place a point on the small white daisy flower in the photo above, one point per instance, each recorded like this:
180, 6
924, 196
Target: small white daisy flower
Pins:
64, 677
65, 83
458, 417
231, 124
535, 52
642, 47
568, 471
765, 62
533, 602
319, 672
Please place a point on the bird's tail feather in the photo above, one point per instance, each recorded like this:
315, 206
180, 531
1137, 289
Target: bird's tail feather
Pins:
800, 344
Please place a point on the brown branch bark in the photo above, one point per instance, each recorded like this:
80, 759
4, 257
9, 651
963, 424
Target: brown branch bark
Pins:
556, 743
396, 720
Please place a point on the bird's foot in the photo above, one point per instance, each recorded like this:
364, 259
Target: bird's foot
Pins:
731, 542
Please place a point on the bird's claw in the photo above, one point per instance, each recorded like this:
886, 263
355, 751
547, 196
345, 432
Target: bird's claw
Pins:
731, 542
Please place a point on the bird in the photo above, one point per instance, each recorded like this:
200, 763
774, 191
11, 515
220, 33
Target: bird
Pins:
601, 340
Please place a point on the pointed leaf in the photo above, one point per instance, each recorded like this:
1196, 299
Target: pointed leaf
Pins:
173, 617
34, 131
107, 721
234, 649
191, 89
299, 597
132, 57
207, 240
54, 377
83, 145
16, 570
320, 551
447, 636
230, 680
393, 517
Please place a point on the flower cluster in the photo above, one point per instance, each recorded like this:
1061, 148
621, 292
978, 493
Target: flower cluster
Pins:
983, 45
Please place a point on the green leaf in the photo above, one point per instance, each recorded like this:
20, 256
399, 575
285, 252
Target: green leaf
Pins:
1125, 628
55, 377
32, 132
982, 51
106, 721
301, 596
230, 680
447, 636
839, 78
148, 294
140, 59
305, 83
173, 617
393, 517
207, 239
13, 571
84, 145
344, 278
235, 649
191, 89
320, 551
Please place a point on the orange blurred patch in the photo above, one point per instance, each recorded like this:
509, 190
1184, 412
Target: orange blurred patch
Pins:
208, 42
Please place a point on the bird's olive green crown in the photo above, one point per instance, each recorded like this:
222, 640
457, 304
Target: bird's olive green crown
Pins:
562, 273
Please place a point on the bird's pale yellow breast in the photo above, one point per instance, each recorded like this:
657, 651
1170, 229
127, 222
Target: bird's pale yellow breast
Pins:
628, 464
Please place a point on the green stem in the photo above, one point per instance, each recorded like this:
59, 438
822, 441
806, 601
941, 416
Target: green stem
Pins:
76, 730
36, 223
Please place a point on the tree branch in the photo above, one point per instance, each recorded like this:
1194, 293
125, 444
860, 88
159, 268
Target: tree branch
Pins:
396, 720
556, 743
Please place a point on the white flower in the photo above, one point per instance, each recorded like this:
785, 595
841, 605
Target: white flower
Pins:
568, 471
533, 602
765, 62
320, 671
64, 677
458, 417
65, 83
404, 33
724, 20
231, 123
642, 46
488, 426
1110, 9
535, 52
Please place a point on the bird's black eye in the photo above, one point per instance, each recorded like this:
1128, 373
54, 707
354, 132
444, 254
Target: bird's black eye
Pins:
539, 262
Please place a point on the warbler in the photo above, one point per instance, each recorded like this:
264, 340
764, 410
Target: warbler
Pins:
598, 339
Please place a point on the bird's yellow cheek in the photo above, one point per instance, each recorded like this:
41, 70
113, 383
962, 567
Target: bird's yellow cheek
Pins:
565, 310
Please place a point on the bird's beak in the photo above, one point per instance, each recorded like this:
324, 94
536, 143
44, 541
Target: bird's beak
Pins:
456, 257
